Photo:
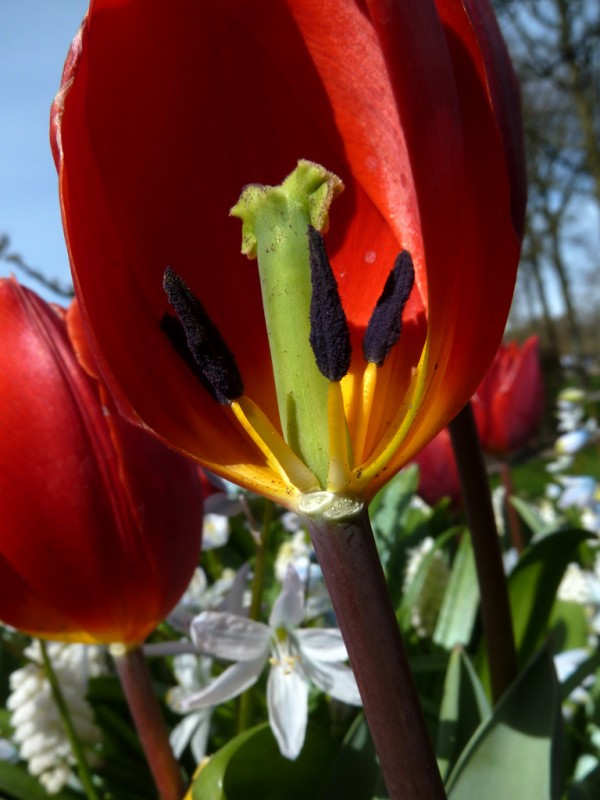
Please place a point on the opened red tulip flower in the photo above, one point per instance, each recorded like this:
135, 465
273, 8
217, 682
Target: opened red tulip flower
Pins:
310, 373
509, 403
101, 523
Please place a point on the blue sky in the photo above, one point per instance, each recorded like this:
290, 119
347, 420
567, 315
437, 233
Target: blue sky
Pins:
34, 39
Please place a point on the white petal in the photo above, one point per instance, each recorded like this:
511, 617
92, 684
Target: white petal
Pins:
229, 636
321, 644
287, 700
567, 662
288, 609
172, 648
235, 680
334, 679
199, 742
184, 730
215, 531
572, 442
234, 601
221, 503
192, 671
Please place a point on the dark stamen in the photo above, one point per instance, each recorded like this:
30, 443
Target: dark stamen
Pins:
198, 341
329, 336
385, 325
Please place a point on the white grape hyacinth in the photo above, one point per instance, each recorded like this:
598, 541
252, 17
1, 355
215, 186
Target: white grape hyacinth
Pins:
434, 582
297, 657
38, 728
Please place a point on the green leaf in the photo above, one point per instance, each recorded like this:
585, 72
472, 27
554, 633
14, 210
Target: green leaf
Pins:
355, 772
251, 766
391, 504
118, 730
20, 785
532, 517
461, 601
124, 769
533, 585
5, 726
516, 752
570, 626
11, 648
464, 706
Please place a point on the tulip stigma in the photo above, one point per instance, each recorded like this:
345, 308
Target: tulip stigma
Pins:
275, 221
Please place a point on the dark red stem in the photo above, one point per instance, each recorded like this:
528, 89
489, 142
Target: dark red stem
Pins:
135, 679
515, 530
354, 576
495, 607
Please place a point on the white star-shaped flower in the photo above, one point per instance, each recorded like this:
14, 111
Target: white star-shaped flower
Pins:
297, 656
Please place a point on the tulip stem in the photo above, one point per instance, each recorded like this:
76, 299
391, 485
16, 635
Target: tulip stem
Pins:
83, 768
515, 530
137, 685
493, 590
258, 585
354, 576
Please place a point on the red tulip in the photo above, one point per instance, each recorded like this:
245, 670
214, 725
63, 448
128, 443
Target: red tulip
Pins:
101, 523
509, 402
438, 474
168, 109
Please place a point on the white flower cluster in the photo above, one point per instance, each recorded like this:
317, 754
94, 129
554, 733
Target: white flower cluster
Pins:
297, 657
295, 550
193, 672
38, 728
433, 578
583, 586
576, 430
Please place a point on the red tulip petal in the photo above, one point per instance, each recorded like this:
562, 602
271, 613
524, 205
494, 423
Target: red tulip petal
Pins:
92, 529
471, 268
505, 96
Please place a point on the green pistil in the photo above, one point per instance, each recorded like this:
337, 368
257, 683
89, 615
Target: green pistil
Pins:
275, 230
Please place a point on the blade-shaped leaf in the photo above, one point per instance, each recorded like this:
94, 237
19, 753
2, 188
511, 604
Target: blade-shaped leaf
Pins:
464, 706
459, 609
531, 517
533, 585
516, 752
570, 625
251, 766
20, 785
355, 772
391, 503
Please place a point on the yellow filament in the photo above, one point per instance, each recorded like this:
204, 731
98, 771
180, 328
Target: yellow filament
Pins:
272, 445
339, 444
369, 381
399, 428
